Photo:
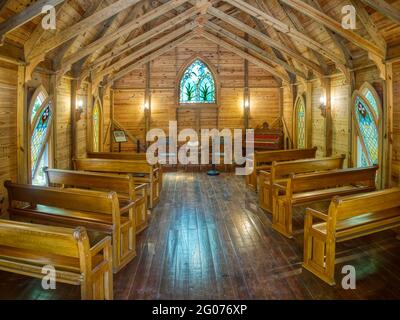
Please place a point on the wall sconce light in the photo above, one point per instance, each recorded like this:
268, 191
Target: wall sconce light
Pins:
322, 105
78, 110
146, 106
246, 103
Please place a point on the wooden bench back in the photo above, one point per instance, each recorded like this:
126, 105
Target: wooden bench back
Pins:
332, 179
347, 207
43, 239
280, 170
113, 166
284, 155
123, 184
117, 156
79, 200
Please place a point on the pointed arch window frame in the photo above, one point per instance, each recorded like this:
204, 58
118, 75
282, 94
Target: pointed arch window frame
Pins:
33, 119
300, 99
378, 120
215, 77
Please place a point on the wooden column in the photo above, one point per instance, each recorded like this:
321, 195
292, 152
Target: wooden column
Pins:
22, 125
246, 95
89, 110
147, 100
309, 126
74, 99
328, 117
352, 88
388, 128
112, 117
54, 142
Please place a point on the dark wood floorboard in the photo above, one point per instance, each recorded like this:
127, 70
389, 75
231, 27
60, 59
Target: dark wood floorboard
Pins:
209, 240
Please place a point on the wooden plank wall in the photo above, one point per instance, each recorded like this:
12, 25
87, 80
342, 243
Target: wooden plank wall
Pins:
129, 92
8, 128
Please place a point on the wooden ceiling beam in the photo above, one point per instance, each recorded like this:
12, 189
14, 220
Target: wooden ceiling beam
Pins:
265, 39
267, 6
81, 27
284, 28
26, 15
255, 49
368, 24
117, 51
246, 56
335, 26
38, 33
150, 57
127, 28
145, 50
384, 8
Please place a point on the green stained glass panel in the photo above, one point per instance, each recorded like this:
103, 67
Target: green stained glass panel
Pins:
197, 85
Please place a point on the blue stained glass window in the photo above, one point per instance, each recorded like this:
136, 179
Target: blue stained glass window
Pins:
197, 84
39, 142
369, 135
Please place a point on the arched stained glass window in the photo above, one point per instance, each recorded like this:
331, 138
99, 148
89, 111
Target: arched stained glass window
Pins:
41, 119
197, 84
96, 119
367, 127
300, 123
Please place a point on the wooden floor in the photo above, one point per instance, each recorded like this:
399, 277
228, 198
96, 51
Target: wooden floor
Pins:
209, 240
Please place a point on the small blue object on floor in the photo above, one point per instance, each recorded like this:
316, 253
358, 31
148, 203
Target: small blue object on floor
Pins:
213, 172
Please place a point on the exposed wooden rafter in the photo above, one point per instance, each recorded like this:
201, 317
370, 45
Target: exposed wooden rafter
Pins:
384, 8
25, 16
335, 26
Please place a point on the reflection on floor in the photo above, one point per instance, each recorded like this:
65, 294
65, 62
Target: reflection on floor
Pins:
209, 240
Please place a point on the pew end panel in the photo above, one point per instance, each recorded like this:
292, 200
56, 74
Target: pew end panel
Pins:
94, 210
26, 248
302, 189
348, 218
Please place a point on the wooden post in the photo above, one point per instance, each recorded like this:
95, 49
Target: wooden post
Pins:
246, 95
74, 97
388, 125
309, 126
89, 110
328, 118
112, 117
53, 93
22, 125
352, 88
147, 100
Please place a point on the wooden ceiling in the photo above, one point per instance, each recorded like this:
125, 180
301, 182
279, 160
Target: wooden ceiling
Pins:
291, 39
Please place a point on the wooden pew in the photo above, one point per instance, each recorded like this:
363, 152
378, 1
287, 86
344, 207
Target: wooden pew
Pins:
301, 189
264, 160
348, 218
26, 248
142, 171
124, 185
280, 172
127, 156
98, 212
